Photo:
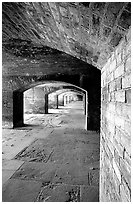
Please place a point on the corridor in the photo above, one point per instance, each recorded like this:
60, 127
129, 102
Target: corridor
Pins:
54, 53
52, 158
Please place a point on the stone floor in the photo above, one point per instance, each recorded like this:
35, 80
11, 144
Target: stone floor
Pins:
52, 159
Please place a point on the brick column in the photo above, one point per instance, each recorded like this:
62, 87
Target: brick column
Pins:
57, 102
46, 104
84, 102
86, 110
18, 119
61, 100
65, 100
69, 99
7, 108
93, 105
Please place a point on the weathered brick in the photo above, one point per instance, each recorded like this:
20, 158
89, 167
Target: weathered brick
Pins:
119, 59
7, 84
125, 141
112, 97
118, 83
119, 48
127, 127
102, 80
125, 170
111, 146
126, 111
109, 153
119, 71
118, 147
116, 183
116, 157
104, 90
109, 98
128, 65
103, 73
112, 58
111, 107
128, 49
128, 96
111, 86
120, 96
112, 66
117, 134
126, 81
117, 171
110, 117
116, 139
7, 102
118, 108
127, 157
110, 77
111, 132
102, 97
125, 193
128, 36
111, 129
107, 72
119, 121
106, 96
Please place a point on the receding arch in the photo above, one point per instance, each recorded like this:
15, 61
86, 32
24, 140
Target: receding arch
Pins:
18, 119
62, 93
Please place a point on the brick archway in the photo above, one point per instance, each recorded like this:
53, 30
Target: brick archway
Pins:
18, 106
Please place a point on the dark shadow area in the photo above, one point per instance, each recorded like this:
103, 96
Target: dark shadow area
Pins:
17, 109
27, 127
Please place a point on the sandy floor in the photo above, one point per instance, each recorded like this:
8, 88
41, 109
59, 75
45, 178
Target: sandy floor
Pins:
51, 159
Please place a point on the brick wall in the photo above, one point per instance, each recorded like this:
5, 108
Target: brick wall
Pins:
115, 145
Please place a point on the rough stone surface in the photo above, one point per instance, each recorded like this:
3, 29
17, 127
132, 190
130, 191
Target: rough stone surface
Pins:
6, 175
87, 191
49, 170
89, 31
11, 164
20, 191
59, 193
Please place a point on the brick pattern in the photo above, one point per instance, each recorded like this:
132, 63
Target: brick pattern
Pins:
89, 31
115, 184
41, 64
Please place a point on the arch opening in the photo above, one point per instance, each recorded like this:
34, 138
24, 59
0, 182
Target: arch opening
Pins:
38, 99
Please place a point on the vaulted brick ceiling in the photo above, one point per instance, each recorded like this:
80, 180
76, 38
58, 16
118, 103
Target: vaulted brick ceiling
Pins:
88, 31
